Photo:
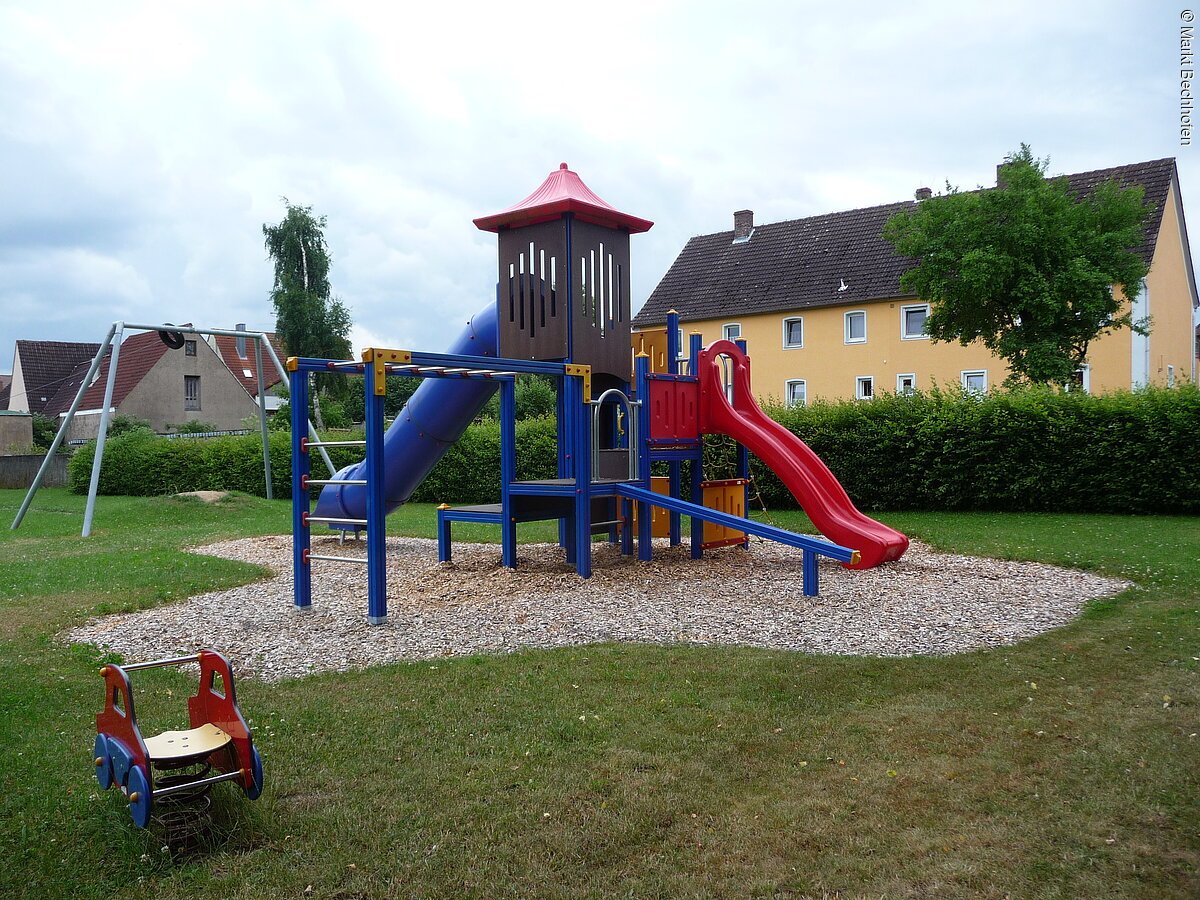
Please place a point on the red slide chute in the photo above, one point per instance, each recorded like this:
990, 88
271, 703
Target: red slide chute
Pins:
815, 488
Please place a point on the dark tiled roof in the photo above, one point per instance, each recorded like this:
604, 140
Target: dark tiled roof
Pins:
45, 364
805, 263
138, 355
5, 387
227, 350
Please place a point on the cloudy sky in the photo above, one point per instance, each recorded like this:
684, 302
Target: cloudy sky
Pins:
142, 146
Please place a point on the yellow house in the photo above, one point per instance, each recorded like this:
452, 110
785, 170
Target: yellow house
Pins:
819, 303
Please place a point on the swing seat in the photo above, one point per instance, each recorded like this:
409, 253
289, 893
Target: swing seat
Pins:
178, 747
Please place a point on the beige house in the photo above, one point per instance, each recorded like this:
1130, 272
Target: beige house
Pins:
213, 380
819, 303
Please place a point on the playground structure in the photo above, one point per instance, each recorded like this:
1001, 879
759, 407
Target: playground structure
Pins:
218, 739
563, 310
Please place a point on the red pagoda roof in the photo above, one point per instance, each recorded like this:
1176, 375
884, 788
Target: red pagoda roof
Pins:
563, 191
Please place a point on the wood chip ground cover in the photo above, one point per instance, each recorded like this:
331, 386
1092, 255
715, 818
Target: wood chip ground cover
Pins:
926, 603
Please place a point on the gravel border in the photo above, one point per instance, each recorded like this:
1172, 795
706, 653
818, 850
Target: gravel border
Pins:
926, 603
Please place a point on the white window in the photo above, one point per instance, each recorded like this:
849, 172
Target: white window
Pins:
683, 347
912, 322
191, 391
732, 331
1170, 376
796, 392
864, 387
1081, 380
793, 333
975, 382
906, 384
856, 327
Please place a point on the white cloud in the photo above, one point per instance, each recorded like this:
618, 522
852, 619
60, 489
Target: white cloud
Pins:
144, 144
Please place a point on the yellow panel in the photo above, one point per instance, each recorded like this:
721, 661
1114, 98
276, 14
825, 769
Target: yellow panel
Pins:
727, 497
176, 745
660, 519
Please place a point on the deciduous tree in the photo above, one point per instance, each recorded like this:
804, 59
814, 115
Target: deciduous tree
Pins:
1028, 268
307, 318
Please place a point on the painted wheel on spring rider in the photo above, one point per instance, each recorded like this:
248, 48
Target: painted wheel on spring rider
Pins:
139, 788
103, 760
256, 772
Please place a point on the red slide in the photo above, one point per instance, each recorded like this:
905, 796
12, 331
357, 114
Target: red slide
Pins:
816, 489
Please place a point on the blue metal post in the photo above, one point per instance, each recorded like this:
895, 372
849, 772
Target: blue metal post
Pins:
376, 504
444, 538
674, 348
810, 574
301, 571
641, 368
578, 414
743, 466
508, 471
694, 347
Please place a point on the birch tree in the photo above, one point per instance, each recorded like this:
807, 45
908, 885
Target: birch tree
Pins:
308, 319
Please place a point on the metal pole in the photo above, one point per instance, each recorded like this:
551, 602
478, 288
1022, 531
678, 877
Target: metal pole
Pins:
312, 432
376, 503
225, 332
62, 430
262, 414
103, 433
301, 539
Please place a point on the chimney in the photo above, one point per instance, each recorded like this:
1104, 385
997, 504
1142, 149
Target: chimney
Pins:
999, 180
743, 225
241, 342
923, 193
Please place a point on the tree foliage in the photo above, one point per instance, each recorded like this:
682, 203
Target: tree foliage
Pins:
307, 318
1027, 268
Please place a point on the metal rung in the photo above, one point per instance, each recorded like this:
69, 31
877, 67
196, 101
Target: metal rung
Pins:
202, 782
173, 661
334, 520
348, 364
327, 558
336, 444
347, 481
609, 522
399, 368
431, 368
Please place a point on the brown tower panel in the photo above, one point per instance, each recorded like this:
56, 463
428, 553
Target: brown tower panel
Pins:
600, 328
533, 309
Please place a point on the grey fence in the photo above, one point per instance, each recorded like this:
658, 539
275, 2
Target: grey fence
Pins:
19, 471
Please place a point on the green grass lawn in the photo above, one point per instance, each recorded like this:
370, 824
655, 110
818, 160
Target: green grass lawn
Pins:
1062, 767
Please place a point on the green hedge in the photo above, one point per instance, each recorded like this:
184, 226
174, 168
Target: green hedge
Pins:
1028, 450
1023, 450
138, 463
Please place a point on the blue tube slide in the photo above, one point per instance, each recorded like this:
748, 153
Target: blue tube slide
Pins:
433, 419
